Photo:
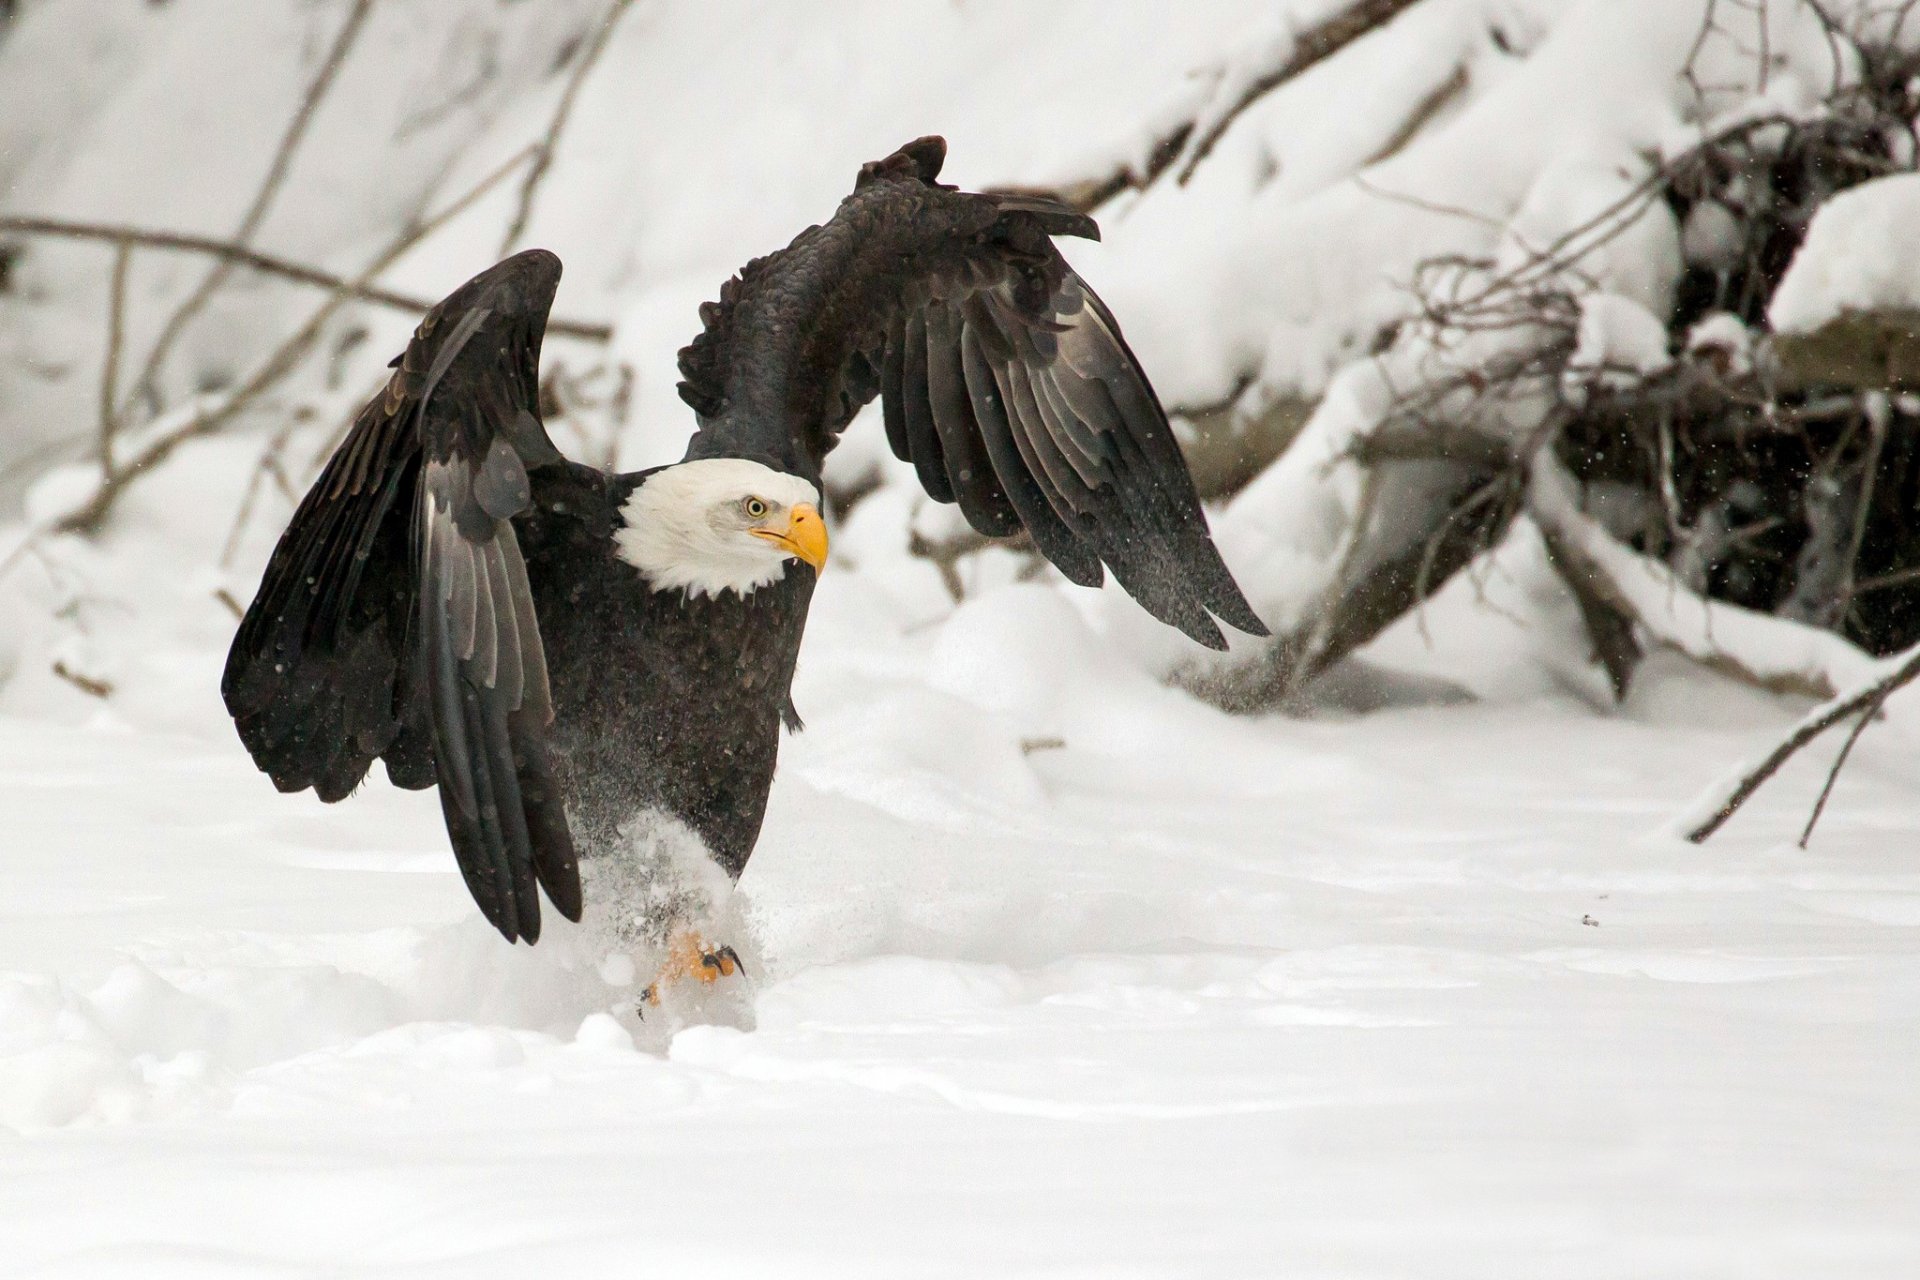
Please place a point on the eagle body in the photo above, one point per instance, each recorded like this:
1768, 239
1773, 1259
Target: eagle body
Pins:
570, 656
664, 701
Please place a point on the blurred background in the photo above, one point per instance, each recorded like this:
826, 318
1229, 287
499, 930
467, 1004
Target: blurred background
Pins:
1552, 372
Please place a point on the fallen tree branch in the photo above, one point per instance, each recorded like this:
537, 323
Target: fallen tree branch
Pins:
1864, 700
1307, 49
362, 289
1759, 649
1195, 139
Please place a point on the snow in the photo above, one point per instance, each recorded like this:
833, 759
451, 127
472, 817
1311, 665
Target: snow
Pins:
1774, 652
1325, 996
1618, 343
1054, 970
1856, 257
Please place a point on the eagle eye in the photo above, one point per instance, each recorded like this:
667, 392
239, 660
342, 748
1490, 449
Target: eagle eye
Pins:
756, 508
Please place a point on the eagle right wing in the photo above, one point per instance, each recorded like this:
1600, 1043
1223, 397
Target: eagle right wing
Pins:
1004, 378
395, 618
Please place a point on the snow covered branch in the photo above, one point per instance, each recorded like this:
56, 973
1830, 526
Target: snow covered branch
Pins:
1284, 59
1239, 84
1768, 652
1722, 801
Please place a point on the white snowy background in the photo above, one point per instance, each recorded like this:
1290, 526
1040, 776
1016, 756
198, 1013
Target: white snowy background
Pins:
1429, 989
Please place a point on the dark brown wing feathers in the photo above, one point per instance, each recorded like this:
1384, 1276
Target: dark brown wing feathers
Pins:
1004, 380
395, 619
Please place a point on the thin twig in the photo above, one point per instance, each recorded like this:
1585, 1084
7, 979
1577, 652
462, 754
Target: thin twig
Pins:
263, 199
1840, 762
267, 264
1817, 722
1882, 581
92, 686
267, 464
1877, 414
110, 364
543, 155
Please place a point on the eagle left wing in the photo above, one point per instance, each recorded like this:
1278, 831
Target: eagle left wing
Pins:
395, 619
1004, 379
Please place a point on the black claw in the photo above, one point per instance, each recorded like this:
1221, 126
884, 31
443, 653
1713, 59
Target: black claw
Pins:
717, 960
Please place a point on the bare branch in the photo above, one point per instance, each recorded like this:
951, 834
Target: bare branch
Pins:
263, 199
110, 364
1866, 698
92, 686
544, 150
267, 264
1867, 716
88, 517
945, 554
268, 464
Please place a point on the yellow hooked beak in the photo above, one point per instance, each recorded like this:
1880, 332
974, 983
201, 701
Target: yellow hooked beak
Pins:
805, 535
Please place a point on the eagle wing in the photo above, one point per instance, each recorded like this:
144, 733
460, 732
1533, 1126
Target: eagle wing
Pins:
1004, 379
395, 619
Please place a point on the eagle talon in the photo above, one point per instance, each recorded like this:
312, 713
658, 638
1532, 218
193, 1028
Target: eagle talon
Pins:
689, 957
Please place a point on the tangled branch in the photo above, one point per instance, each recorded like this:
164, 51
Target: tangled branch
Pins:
283, 360
263, 199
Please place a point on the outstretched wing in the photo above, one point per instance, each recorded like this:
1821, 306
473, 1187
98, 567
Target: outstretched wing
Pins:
395, 619
1004, 379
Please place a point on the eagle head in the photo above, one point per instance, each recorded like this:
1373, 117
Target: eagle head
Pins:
720, 524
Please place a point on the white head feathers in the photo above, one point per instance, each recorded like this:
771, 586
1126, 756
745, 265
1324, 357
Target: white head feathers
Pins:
688, 525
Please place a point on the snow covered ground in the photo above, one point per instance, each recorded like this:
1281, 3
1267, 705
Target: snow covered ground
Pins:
1057, 971
1430, 992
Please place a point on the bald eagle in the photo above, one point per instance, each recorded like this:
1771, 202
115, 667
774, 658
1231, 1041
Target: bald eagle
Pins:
564, 651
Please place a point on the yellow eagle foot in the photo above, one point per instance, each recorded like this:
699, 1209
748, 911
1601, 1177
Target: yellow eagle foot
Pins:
689, 957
